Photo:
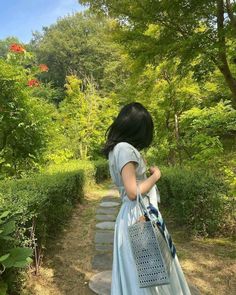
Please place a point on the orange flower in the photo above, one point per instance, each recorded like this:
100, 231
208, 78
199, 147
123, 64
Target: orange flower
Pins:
18, 48
33, 82
43, 68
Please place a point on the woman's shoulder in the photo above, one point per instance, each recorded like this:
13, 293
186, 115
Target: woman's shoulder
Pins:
125, 145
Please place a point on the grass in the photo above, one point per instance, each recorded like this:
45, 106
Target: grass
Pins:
208, 263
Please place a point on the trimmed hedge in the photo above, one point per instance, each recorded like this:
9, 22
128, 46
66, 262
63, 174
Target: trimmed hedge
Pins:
101, 170
46, 200
199, 199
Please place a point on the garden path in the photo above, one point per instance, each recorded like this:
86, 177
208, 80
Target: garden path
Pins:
79, 261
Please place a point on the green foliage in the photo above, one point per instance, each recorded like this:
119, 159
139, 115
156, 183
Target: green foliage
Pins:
167, 96
24, 119
17, 257
199, 199
38, 207
84, 117
4, 46
202, 32
94, 171
79, 44
102, 170
203, 130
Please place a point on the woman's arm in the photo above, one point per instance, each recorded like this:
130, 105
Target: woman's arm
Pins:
130, 183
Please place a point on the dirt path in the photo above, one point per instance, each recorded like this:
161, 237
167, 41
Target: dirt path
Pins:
210, 264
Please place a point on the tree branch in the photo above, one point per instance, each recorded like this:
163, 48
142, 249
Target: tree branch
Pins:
230, 13
223, 63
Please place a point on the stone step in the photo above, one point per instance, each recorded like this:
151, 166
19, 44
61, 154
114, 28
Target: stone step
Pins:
104, 237
106, 217
111, 198
109, 204
100, 283
106, 225
107, 210
104, 247
102, 261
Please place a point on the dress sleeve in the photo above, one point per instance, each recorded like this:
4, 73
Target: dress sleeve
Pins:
126, 153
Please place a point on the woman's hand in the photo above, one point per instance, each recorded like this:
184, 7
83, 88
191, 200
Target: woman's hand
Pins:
156, 171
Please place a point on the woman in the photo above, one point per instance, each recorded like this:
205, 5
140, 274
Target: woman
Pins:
130, 132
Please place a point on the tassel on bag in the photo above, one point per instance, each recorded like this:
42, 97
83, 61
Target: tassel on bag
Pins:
161, 224
151, 251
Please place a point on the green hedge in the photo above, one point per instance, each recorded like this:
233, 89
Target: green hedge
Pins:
101, 170
47, 198
51, 195
95, 171
199, 199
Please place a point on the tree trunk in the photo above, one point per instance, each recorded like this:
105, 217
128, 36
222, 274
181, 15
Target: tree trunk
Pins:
177, 138
222, 62
231, 14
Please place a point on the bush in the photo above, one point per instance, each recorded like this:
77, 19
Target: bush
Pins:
47, 198
11, 258
101, 170
95, 171
41, 203
198, 199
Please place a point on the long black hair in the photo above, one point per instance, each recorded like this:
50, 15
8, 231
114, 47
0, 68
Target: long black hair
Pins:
133, 124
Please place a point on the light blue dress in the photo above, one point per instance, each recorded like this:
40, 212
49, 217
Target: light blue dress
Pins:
124, 275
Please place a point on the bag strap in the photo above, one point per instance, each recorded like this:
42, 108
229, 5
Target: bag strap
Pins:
140, 202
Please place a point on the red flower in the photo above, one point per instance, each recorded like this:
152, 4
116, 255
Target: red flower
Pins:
43, 68
33, 82
16, 48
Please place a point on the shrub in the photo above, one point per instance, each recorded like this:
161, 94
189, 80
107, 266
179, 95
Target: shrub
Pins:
199, 199
11, 255
41, 203
40, 206
101, 170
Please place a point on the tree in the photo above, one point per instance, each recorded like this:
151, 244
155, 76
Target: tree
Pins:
203, 131
4, 45
84, 117
166, 95
80, 45
202, 31
24, 119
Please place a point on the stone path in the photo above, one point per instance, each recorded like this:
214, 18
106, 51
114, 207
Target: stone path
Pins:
106, 215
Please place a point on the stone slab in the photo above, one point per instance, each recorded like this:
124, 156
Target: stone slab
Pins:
114, 191
107, 210
104, 237
102, 261
108, 204
104, 247
106, 217
100, 283
111, 198
106, 225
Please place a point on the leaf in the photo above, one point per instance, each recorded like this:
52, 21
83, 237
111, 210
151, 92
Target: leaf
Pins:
18, 257
6, 238
4, 214
3, 288
4, 257
8, 227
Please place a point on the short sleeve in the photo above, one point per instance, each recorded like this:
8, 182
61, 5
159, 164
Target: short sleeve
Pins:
125, 153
